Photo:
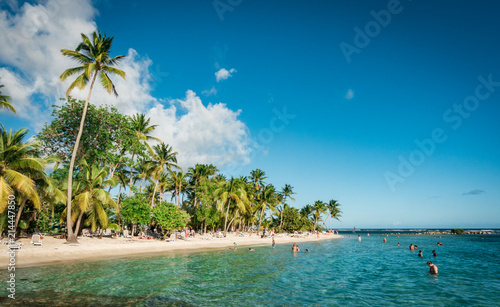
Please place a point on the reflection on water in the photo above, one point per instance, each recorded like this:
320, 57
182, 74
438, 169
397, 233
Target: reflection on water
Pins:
335, 272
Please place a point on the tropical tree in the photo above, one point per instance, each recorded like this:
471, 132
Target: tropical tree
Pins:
333, 210
231, 196
257, 178
163, 159
19, 165
5, 102
266, 199
319, 208
93, 55
178, 184
286, 191
91, 198
142, 130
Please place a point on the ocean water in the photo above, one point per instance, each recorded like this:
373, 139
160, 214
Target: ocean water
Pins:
336, 272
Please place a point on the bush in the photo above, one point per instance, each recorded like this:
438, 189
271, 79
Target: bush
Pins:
458, 231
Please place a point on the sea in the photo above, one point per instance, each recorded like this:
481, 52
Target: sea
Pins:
337, 272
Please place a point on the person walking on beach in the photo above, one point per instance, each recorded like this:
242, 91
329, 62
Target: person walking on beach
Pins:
433, 268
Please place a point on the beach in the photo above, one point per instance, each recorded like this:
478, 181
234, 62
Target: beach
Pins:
53, 250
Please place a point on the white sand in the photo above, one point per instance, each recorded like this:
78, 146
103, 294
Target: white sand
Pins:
56, 251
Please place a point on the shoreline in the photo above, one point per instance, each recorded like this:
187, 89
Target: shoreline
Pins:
56, 251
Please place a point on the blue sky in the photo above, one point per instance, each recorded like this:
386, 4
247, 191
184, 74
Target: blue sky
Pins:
349, 120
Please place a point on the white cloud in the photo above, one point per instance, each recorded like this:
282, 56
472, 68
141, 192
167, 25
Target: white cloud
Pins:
223, 74
349, 95
31, 60
203, 134
210, 92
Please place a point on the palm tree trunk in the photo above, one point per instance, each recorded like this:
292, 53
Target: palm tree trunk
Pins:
260, 218
225, 221
229, 225
19, 213
71, 236
131, 175
77, 228
154, 193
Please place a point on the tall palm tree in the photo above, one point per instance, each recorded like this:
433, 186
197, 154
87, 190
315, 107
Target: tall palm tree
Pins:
257, 178
231, 194
199, 172
19, 164
163, 159
319, 208
178, 184
142, 130
334, 210
93, 55
286, 191
5, 102
266, 199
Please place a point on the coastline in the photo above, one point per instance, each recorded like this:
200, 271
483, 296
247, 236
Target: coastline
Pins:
55, 251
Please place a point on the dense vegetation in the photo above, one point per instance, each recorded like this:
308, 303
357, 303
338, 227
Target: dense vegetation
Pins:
116, 174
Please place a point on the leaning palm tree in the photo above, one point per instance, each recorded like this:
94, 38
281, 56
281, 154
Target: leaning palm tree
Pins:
93, 55
5, 102
231, 194
334, 210
319, 208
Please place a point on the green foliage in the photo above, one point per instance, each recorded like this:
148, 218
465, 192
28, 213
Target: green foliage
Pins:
170, 217
458, 231
107, 136
43, 222
136, 209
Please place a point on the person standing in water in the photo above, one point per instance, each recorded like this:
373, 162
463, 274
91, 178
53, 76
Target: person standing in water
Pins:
420, 254
385, 240
274, 243
433, 268
434, 253
359, 238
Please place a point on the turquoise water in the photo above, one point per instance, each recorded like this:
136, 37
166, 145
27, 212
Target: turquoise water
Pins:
334, 272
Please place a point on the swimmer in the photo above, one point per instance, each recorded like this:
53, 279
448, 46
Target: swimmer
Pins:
307, 251
294, 248
434, 253
420, 254
297, 248
367, 234
440, 244
411, 247
385, 240
250, 249
433, 268
359, 238
398, 243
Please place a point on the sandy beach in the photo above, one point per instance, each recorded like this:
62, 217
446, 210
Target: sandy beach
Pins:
55, 250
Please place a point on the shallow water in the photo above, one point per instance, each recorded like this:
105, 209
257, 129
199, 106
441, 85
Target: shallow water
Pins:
334, 272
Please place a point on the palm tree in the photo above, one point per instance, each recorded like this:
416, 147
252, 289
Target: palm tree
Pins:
319, 208
231, 194
94, 57
334, 210
142, 129
286, 191
257, 178
199, 172
178, 184
163, 159
91, 197
19, 164
267, 198
5, 102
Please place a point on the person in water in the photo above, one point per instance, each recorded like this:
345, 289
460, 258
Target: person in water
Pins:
297, 248
398, 243
294, 248
306, 251
420, 254
359, 238
434, 253
250, 249
235, 245
385, 240
411, 247
433, 268
274, 243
